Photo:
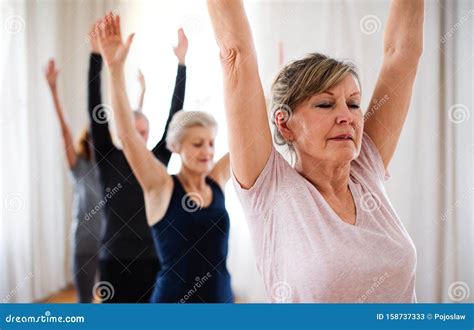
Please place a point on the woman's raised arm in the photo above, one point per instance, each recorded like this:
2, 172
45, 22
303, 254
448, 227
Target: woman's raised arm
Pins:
250, 140
51, 74
150, 173
403, 47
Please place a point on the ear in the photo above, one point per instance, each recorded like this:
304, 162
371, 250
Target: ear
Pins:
282, 118
175, 148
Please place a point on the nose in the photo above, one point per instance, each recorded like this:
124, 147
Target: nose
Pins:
207, 150
344, 115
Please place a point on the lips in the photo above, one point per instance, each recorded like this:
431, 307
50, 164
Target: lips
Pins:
343, 137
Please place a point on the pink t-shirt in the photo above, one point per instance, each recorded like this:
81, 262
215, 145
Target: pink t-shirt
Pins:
307, 253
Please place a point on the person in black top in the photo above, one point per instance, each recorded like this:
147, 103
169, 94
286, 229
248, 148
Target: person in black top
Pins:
186, 212
127, 260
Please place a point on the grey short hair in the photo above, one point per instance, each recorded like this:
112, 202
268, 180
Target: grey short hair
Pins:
183, 120
301, 79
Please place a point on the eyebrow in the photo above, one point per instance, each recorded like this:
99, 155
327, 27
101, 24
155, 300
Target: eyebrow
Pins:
326, 92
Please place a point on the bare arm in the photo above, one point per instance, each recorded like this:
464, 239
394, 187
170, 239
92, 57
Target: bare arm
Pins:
51, 74
150, 173
243, 92
403, 46
221, 171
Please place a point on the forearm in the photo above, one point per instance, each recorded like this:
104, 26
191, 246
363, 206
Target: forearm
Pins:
94, 82
231, 27
404, 31
99, 125
160, 151
65, 129
179, 92
58, 109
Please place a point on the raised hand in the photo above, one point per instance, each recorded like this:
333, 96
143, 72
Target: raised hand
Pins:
93, 37
182, 48
51, 74
114, 51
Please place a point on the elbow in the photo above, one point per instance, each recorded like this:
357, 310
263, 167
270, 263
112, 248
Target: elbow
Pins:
235, 60
409, 54
229, 56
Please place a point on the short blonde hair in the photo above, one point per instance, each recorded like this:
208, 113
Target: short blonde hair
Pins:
183, 120
301, 79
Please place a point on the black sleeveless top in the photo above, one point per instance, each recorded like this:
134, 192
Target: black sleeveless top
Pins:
192, 244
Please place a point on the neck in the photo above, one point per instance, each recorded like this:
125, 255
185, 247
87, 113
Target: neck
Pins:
330, 178
193, 180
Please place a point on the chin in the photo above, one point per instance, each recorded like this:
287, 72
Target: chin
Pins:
202, 168
346, 156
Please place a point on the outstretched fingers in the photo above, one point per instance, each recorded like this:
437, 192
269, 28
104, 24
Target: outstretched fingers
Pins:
129, 41
118, 30
100, 28
108, 26
111, 22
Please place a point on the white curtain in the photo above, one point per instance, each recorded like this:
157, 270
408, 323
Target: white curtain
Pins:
35, 189
431, 184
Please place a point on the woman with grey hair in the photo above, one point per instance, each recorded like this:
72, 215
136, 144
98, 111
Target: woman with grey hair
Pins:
323, 230
186, 212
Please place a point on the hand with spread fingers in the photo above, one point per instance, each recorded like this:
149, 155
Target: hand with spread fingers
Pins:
113, 49
93, 37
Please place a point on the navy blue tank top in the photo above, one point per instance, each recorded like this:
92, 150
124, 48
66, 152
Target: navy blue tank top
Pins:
192, 244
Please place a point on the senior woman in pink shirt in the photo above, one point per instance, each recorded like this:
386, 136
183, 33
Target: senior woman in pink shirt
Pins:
324, 229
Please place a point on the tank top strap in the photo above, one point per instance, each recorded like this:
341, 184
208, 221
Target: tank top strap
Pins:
178, 189
216, 189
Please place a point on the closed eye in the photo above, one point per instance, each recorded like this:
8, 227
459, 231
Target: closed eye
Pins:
324, 105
